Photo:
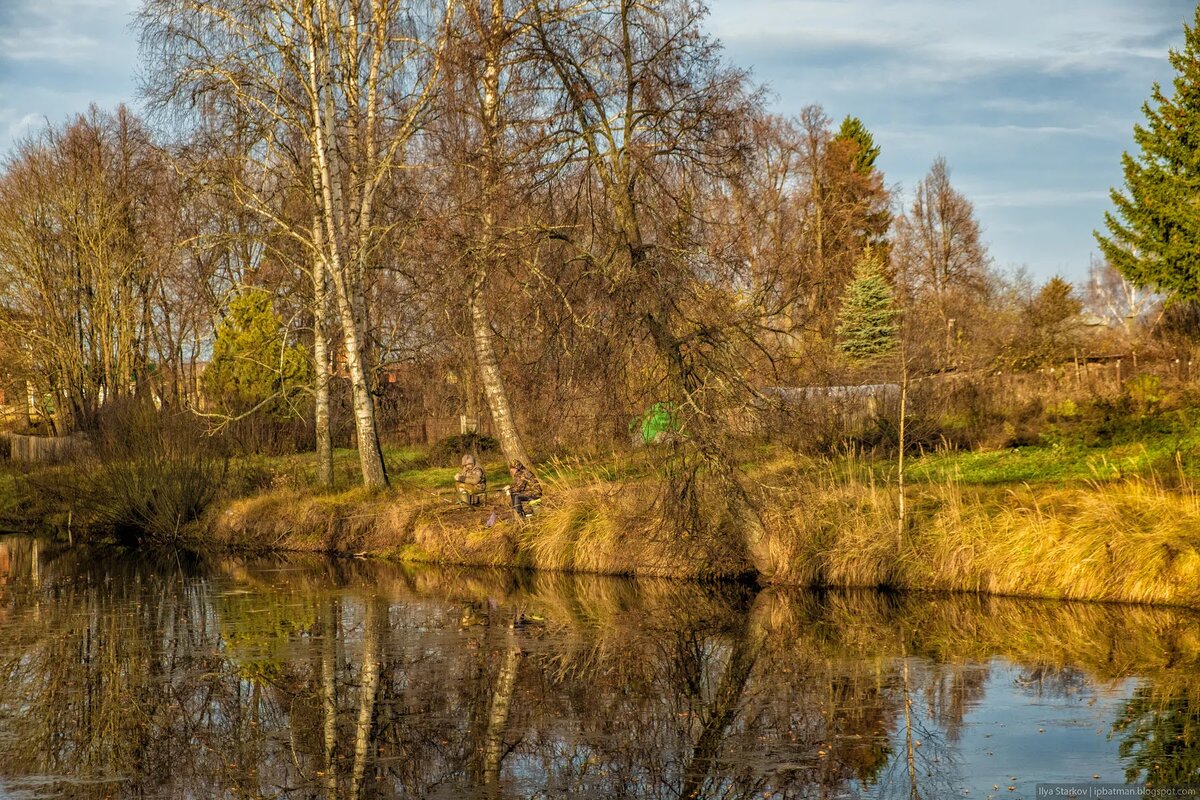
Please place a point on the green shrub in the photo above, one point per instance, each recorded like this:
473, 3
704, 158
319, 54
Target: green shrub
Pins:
1145, 393
448, 452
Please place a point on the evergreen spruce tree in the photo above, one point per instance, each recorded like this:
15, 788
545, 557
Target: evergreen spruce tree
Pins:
253, 366
1154, 236
867, 325
853, 130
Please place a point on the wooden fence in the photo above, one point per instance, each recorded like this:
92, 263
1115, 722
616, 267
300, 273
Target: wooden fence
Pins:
44, 449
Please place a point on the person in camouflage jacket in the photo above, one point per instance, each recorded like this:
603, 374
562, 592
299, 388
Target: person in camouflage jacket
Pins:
525, 487
471, 481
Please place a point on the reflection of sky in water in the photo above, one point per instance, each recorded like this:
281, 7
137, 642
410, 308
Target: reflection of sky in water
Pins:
1018, 734
825, 670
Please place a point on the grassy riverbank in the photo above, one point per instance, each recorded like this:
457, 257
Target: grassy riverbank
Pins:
1117, 523
1071, 517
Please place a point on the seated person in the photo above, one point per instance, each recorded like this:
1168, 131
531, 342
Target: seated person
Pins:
470, 482
525, 487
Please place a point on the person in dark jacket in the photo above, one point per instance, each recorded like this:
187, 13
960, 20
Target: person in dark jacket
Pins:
524, 487
471, 481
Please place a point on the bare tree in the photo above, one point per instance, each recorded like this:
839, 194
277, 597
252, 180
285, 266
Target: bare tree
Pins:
82, 249
658, 121
1117, 301
334, 92
489, 77
939, 241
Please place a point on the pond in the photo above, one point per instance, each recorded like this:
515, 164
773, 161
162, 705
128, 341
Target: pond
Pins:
156, 676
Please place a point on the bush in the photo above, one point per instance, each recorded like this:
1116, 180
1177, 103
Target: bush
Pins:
449, 451
149, 475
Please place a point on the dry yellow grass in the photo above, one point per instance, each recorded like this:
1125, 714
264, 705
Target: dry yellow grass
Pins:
1133, 540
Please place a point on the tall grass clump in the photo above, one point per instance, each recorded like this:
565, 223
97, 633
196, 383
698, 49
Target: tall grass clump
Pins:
827, 524
590, 523
1131, 540
148, 475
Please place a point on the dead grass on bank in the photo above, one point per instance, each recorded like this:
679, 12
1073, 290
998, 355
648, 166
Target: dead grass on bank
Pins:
587, 523
1132, 540
358, 522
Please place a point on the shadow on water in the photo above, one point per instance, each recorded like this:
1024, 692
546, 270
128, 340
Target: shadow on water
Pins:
313, 678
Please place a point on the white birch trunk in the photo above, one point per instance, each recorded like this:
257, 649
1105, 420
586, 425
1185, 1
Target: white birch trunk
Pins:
487, 365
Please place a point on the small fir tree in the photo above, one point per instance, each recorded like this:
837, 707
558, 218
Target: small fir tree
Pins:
1154, 236
253, 366
867, 325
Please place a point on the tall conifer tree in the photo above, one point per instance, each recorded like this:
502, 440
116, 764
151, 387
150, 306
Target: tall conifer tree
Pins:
867, 327
866, 151
1155, 231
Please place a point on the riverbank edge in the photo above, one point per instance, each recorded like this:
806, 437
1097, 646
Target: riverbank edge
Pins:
1131, 541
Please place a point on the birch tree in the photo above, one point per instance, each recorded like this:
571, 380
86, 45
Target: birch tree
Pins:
334, 91
491, 53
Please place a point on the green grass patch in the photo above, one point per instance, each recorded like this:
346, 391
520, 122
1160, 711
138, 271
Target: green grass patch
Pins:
1155, 456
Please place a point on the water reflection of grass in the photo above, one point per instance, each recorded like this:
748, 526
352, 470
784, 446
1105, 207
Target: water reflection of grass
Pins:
397, 680
1110, 641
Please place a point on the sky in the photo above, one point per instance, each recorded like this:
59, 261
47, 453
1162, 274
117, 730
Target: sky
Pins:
1031, 102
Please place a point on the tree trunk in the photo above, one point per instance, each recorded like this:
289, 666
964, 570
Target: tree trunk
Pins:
910, 757
900, 461
471, 392
28, 404
488, 368
722, 710
321, 363
487, 365
369, 682
370, 453
498, 711
329, 632
333, 214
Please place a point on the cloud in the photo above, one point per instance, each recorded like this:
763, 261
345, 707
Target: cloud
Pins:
59, 56
929, 47
1037, 198
24, 125
1031, 102
65, 32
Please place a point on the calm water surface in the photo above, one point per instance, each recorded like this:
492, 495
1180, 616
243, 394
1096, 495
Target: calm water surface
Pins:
307, 678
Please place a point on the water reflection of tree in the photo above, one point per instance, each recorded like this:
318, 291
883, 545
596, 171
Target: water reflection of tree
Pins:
1159, 731
107, 679
346, 694
352, 681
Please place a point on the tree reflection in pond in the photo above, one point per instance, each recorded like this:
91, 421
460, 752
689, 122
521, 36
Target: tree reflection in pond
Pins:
1159, 733
318, 679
